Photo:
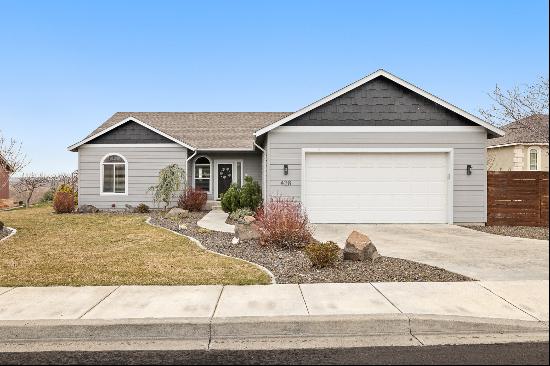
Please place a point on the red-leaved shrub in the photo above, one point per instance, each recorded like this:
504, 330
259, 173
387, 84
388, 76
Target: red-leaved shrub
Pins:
63, 202
283, 223
192, 199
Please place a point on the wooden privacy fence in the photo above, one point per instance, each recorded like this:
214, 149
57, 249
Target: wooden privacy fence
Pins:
517, 198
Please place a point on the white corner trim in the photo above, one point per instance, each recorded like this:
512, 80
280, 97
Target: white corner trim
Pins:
101, 193
130, 119
519, 143
392, 129
450, 168
393, 78
12, 233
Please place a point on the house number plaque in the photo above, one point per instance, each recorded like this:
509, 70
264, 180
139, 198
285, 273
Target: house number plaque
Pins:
286, 182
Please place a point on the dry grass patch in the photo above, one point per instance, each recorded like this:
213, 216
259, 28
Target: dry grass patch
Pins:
108, 249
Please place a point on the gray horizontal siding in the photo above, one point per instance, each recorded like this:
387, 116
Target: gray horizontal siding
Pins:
144, 164
380, 102
469, 148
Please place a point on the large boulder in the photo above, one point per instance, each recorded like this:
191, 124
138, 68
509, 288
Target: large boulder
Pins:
177, 212
87, 209
359, 248
247, 232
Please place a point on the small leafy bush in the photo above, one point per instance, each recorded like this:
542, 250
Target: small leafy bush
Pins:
68, 189
192, 199
240, 213
142, 208
322, 254
63, 202
230, 199
250, 195
48, 196
283, 223
1, 226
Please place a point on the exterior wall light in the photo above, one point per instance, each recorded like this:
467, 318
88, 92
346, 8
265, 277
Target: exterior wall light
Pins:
469, 169
285, 169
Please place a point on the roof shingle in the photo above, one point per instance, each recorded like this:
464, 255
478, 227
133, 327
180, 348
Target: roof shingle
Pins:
527, 130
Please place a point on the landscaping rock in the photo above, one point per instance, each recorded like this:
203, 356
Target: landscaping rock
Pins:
359, 248
247, 232
182, 227
235, 241
177, 212
248, 220
129, 208
87, 209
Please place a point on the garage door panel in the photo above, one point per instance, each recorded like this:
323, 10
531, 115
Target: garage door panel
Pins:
376, 187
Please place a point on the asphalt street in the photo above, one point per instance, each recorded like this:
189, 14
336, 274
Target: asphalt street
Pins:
510, 353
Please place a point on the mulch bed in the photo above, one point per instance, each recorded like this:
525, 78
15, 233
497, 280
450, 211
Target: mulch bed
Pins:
529, 232
293, 266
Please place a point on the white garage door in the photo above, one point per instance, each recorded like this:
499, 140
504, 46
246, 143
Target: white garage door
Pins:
352, 187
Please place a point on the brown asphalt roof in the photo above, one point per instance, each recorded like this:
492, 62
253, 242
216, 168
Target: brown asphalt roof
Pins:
203, 130
527, 130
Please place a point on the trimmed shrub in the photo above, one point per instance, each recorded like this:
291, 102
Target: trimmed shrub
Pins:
283, 223
192, 199
322, 254
250, 194
68, 189
230, 199
240, 213
1, 226
141, 208
63, 202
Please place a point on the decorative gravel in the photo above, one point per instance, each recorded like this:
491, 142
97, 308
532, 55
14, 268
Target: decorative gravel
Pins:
4, 232
293, 266
530, 232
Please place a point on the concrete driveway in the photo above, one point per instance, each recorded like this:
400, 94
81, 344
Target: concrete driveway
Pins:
472, 253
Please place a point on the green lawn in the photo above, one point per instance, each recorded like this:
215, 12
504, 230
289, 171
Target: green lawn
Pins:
108, 249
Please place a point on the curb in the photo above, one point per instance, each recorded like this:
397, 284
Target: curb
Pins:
289, 332
198, 243
12, 233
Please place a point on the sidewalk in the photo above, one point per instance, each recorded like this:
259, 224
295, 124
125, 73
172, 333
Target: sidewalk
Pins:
277, 315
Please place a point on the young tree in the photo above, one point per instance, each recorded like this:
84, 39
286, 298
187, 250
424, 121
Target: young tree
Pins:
171, 180
520, 103
28, 183
12, 157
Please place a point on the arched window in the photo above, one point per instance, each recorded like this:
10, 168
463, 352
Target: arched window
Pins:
114, 173
534, 158
202, 175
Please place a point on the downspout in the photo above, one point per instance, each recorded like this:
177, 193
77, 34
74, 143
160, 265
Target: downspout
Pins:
264, 175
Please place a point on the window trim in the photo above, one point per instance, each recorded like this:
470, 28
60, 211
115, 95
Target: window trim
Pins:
538, 150
101, 163
211, 169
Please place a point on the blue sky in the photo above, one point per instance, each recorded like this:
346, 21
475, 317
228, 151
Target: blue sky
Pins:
66, 66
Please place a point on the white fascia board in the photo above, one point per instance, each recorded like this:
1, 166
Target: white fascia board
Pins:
519, 143
130, 119
392, 129
393, 78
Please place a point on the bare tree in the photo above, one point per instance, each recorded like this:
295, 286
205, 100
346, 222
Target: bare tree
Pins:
519, 103
70, 179
28, 183
12, 157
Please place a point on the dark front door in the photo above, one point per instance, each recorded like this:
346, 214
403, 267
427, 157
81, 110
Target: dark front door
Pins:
225, 177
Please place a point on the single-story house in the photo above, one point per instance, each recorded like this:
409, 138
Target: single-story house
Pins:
523, 148
5, 171
379, 150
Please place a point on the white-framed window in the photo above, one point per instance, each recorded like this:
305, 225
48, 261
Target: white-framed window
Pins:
534, 158
113, 175
203, 174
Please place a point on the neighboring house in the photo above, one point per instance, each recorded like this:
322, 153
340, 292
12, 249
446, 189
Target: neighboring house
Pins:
379, 150
5, 171
523, 148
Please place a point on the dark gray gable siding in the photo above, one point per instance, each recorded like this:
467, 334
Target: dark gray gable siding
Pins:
130, 133
381, 102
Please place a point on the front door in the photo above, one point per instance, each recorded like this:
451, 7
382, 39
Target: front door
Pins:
225, 178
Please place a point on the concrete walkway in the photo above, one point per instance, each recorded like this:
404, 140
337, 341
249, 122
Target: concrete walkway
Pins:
272, 316
215, 220
479, 255
520, 300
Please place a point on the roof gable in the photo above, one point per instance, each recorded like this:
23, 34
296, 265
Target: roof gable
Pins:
130, 132
381, 73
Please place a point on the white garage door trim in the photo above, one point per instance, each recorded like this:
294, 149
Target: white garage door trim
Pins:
448, 151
